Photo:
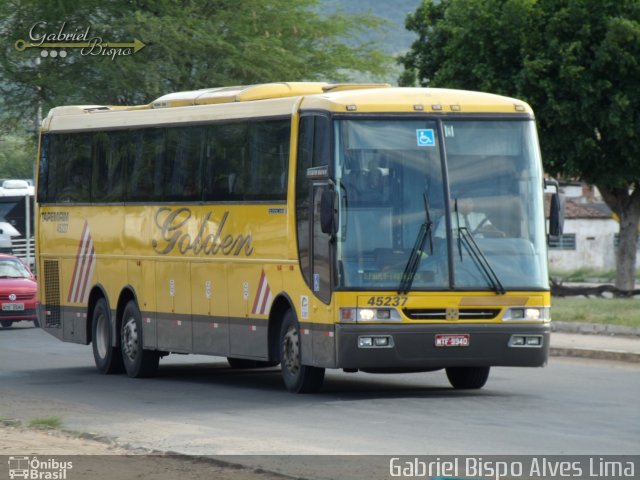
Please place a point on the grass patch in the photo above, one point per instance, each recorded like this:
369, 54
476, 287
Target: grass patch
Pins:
612, 311
9, 422
46, 423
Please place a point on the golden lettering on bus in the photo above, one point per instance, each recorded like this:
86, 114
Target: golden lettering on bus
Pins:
174, 226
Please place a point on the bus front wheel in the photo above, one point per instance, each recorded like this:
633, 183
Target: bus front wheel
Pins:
468, 378
298, 378
138, 362
108, 358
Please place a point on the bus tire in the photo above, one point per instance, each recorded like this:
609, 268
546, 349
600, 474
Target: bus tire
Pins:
468, 378
243, 363
108, 358
138, 362
298, 378
6, 323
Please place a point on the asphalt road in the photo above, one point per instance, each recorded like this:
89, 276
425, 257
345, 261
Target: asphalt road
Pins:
197, 405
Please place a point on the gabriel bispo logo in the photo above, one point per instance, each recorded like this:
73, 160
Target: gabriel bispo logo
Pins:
55, 42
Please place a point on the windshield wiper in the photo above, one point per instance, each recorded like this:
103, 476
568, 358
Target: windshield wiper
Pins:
418, 249
465, 237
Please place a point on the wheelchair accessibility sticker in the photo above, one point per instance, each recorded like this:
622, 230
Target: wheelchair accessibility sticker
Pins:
425, 137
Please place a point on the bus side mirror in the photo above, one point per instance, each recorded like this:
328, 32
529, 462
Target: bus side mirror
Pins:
556, 215
328, 213
556, 209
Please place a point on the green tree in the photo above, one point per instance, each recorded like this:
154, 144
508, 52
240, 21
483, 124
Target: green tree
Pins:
577, 62
17, 154
190, 44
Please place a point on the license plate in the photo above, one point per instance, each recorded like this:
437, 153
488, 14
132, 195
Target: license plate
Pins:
12, 307
452, 340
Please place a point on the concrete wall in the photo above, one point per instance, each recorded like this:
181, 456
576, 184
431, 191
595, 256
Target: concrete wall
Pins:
594, 246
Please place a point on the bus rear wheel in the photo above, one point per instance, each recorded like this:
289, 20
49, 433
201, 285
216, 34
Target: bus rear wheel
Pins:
468, 378
138, 362
108, 358
298, 378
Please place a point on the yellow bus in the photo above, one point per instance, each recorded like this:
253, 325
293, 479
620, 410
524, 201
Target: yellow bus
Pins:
313, 225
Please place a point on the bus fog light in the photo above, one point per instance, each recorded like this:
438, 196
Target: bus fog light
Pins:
534, 341
375, 341
381, 341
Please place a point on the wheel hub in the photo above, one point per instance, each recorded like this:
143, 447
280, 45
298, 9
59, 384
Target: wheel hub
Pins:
291, 351
102, 335
130, 339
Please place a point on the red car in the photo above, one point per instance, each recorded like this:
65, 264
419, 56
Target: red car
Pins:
17, 292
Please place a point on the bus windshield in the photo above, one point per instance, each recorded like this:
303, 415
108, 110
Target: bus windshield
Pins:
474, 201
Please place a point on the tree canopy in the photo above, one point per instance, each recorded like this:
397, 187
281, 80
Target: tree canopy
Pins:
189, 44
577, 62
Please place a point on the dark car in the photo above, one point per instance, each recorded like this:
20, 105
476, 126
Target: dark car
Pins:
17, 292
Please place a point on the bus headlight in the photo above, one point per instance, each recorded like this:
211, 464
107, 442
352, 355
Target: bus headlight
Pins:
352, 315
531, 314
366, 314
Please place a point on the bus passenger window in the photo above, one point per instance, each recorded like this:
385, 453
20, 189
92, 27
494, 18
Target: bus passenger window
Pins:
73, 169
182, 173
144, 176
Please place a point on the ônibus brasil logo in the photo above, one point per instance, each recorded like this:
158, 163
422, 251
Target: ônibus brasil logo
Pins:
34, 469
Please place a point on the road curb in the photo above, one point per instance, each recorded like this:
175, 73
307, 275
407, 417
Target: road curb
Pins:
603, 354
594, 329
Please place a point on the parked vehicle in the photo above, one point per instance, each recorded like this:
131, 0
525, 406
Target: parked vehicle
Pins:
14, 188
7, 231
17, 292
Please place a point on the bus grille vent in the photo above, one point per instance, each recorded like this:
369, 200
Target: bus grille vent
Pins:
426, 313
478, 313
52, 293
452, 314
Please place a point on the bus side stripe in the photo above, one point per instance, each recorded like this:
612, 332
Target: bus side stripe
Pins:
74, 278
90, 263
83, 269
256, 302
263, 296
90, 276
83, 264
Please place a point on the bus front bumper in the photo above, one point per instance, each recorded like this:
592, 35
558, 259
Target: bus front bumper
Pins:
432, 346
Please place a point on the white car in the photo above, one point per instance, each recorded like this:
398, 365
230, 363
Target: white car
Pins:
6, 232
16, 188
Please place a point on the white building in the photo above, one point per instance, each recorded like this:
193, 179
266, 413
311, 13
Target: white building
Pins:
590, 238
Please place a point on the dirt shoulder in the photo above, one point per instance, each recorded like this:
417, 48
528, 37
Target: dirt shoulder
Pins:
15, 440
96, 459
